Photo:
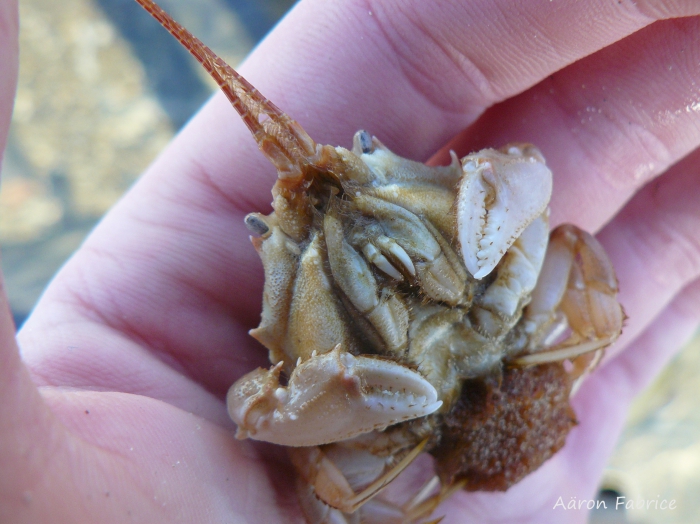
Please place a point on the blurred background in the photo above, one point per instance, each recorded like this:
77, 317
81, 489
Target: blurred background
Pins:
102, 89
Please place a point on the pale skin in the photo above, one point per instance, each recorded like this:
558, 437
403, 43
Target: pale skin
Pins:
115, 410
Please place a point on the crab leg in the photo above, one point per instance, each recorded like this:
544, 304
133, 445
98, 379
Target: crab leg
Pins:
563, 353
329, 397
319, 469
331, 473
498, 309
421, 505
577, 291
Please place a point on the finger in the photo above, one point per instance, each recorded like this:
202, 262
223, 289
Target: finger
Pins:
88, 354
653, 348
25, 422
654, 244
429, 69
609, 123
20, 404
28, 433
601, 406
9, 62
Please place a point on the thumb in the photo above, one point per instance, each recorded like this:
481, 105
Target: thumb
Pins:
26, 424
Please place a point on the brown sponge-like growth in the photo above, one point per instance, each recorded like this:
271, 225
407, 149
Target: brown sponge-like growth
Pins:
497, 434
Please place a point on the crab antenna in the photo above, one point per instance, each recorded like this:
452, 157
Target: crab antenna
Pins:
280, 138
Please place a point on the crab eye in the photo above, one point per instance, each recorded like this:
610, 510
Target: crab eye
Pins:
364, 140
255, 224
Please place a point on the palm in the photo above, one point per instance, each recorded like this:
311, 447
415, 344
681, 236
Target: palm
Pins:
136, 341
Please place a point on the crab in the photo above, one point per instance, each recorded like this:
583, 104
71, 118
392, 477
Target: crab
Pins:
410, 308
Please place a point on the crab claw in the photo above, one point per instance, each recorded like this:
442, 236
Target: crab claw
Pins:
501, 193
330, 397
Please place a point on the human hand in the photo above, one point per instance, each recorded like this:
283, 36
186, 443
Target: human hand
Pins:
137, 339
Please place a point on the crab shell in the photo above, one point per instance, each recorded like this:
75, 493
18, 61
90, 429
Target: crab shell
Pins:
318, 290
